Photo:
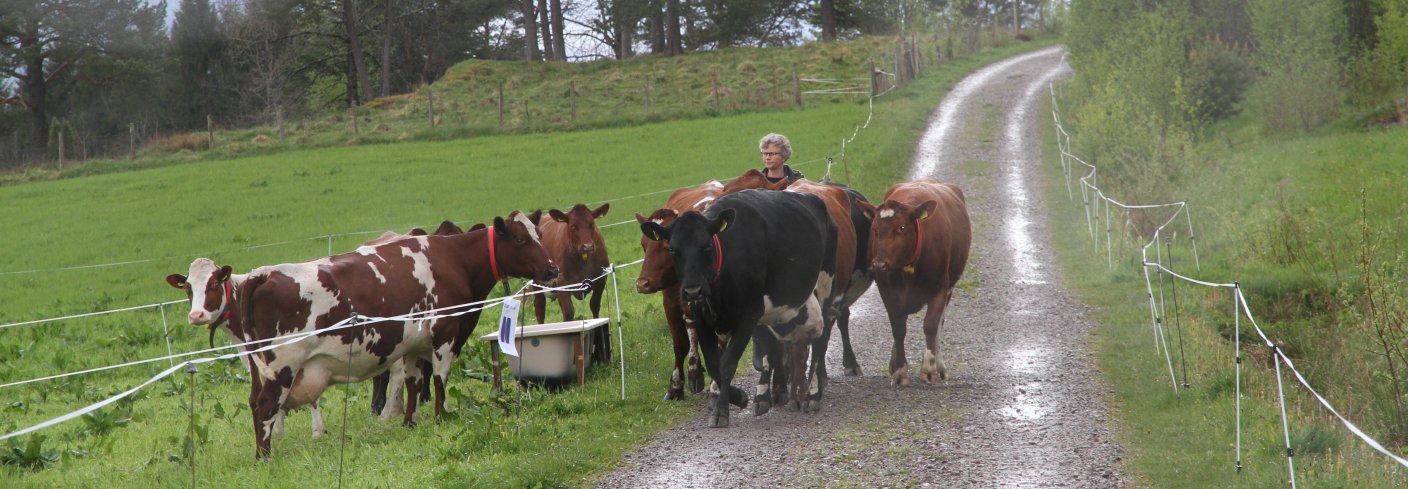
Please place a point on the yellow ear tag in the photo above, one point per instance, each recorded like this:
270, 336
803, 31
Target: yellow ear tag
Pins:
584, 257
210, 326
722, 228
909, 269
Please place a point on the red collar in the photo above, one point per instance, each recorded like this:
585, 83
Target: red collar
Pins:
493, 261
718, 259
918, 244
229, 303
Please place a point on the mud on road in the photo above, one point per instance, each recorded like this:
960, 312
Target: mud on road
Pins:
1023, 405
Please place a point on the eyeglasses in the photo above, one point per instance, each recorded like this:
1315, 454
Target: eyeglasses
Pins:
767, 154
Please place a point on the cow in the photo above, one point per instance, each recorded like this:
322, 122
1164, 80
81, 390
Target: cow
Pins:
574, 242
211, 290
919, 243
853, 231
754, 258
657, 274
410, 275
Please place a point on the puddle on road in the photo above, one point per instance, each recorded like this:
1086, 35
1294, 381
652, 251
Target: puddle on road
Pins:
1025, 406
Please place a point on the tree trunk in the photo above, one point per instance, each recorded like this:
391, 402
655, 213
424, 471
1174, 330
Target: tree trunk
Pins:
36, 93
656, 25
672, 27
545, 26
386, 51
363, 86
530, 31
828, 20
559, 41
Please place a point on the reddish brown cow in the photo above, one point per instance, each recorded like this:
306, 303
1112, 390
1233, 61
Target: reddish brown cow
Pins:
919, 244
657, 274
574, 242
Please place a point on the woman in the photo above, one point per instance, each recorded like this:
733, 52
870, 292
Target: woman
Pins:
776, 150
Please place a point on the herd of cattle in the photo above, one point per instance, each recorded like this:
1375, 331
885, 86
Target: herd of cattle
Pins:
776, 264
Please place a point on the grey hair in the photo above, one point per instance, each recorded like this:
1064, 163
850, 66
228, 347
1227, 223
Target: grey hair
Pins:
774, 139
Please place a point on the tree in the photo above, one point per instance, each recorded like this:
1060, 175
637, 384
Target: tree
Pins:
359, 90
42, 41
827, 10
198, 50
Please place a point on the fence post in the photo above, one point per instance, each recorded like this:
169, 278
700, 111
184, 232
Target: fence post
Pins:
281, 125
209, 132
645, 89
715, 82
61, 148
430, 105
352, 112
131, 141
874, 81
501, 105
796, 87
572, 95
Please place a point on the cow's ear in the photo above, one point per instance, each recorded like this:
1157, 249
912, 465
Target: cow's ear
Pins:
477, 226
500, 229
924, 210
536, 216
722, 222
654, 231
418, 232
223, 274
449, 228
641, 219
867, 209
600, 212
177, 280
557, 215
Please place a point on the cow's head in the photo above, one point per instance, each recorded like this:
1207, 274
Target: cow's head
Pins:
657, 271
895, 233
693, 245
518, 251
448, 228
752, 179
209, 288
583, 237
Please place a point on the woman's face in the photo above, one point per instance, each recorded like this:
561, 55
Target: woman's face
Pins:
772, 157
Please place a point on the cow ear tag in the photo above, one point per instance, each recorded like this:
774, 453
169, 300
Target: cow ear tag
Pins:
722, 228
909, 269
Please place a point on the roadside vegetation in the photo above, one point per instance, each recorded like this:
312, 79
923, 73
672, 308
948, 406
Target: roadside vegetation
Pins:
292, 200
1283, 127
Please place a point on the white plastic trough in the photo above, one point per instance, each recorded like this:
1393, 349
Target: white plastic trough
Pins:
551, 351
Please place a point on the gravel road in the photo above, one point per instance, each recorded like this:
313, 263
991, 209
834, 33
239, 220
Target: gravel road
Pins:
1023, 405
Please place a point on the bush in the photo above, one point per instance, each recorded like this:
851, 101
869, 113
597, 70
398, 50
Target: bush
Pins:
1298, 49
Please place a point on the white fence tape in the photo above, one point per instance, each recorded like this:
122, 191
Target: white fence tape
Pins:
1090, 191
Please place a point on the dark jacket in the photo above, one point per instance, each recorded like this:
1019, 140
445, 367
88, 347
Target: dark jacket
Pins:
787, 172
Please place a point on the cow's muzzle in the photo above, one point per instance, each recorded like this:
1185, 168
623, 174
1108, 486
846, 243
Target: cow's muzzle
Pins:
878, 266
552, 272
644, 286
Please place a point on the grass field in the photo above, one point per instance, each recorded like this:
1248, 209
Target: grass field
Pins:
1283, 218
144, 224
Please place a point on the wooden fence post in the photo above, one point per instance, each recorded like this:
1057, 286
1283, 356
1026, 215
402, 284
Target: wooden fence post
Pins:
501, 105
796, 87
209, 132
645, 89
715, 82
281, 125
352, 112
61, 147
572, 95
131, 141
430, 105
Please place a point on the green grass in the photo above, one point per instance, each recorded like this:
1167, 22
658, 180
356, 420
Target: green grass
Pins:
1250, 198
222, 208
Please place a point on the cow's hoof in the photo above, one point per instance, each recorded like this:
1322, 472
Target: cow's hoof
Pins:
761, 405
932, 376
719, 421
813, 405
899, 378
853, 371
409, 423
794, 405
736, 397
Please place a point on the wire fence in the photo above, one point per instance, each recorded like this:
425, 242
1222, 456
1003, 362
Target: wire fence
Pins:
1098, 205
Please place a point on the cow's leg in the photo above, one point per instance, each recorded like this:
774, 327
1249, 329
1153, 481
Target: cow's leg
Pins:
848, 355
682, 340
425, 372
444, 359
319, 429
602, 337
564, 302
395, 392
765, 359
899, 366
265, 405
932, 368
379, 392
413, 380
540, 304
722, 365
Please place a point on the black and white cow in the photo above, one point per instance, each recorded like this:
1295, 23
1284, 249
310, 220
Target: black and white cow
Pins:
755, 258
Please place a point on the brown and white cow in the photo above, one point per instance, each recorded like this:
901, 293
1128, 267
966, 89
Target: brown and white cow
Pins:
403, 276
657, 274
211, 289
575, 244
919, 243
